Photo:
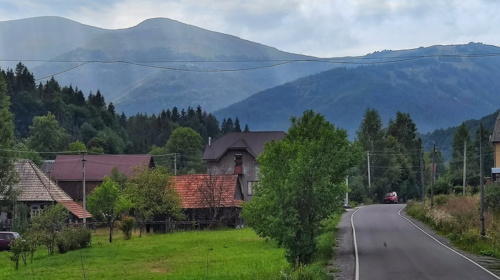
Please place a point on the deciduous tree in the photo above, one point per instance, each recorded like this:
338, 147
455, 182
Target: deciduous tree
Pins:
301, 183
151, 193
106, 204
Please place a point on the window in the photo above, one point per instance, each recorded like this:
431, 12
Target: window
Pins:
238, 164
250, 186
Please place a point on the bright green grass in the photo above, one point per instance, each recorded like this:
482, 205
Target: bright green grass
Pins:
223, 254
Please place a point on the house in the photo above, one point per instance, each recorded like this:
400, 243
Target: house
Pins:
495, 139
37, 191
67, 170
207, 197
236, 153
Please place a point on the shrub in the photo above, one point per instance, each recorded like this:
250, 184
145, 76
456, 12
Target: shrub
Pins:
441, 199
18, 249
492, 197
126, 225
73, 238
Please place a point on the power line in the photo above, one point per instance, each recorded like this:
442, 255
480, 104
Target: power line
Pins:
276, 62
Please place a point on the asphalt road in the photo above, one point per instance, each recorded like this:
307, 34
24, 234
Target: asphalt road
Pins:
391, 247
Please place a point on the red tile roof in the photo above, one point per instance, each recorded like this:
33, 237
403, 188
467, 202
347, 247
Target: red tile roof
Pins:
34, 186
69, 167
189, 186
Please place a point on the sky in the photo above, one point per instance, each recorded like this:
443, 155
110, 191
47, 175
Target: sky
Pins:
321, 28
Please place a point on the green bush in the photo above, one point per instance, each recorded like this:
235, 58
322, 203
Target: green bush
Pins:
18, 249
73, 238
441, 199
492, 197
126, 225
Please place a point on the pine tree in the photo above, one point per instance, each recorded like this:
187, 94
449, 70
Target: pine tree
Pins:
237, 127
8, 176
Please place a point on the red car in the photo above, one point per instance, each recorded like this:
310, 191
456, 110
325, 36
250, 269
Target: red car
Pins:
391, 197
6, 237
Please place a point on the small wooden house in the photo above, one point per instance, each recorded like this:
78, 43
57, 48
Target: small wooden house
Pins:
67, 170
209, 198
37, 191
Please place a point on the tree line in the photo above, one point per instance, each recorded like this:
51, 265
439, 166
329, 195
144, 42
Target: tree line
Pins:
51, 118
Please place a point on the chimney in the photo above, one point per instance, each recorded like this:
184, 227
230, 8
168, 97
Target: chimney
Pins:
209, 141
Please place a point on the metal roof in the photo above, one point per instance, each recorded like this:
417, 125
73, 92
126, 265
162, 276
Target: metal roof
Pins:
69, 167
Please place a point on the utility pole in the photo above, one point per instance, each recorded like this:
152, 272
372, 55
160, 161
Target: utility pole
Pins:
347, 193
433, 172
421, 156
84, 194
483, 233
175, 164
369, 177
465, 166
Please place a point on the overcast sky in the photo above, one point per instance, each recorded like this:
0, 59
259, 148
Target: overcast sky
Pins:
312, 27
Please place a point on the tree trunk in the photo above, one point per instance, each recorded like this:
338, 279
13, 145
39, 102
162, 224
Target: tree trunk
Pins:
111, 232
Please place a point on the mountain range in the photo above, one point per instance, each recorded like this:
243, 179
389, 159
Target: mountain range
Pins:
162, 63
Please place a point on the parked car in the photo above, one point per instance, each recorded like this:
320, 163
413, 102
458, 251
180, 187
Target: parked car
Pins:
391, 197
6, 237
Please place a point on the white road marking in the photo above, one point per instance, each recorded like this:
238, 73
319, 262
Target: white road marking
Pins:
356, 274
439, 242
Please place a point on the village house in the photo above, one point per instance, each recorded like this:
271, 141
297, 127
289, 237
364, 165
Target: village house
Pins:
67, 170
236, 153
37, 191
209, 198
495, 139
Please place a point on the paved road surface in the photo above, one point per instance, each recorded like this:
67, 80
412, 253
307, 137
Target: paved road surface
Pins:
390, 247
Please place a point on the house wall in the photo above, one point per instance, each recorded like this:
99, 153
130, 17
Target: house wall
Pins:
75, 188
226, 164
497, 154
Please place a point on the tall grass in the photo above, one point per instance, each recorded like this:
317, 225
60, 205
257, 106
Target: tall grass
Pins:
458, 218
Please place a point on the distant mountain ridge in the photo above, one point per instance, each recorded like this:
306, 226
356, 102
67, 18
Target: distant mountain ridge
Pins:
157, 64
439, 86
162, 63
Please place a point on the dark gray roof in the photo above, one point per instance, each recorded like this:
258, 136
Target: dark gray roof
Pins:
495, 138
252, 142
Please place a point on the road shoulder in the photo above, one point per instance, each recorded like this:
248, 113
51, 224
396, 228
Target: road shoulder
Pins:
343, 263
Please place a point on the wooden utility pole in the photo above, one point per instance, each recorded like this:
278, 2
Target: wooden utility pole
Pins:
84, 191
483, 233
421, 157
465, 166
433, 172
369, 177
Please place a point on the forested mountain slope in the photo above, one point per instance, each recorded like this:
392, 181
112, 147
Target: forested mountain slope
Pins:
439, 87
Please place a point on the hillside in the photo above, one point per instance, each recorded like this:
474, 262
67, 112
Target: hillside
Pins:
439, 87
157, 64
444, 137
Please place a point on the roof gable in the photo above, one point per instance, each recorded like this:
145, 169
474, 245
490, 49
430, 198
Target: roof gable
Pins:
191, 190
34, 186
69, 167
252, 142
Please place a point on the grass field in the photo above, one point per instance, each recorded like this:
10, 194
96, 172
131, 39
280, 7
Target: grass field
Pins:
222, 254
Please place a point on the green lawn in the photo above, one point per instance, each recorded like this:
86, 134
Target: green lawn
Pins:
222, 254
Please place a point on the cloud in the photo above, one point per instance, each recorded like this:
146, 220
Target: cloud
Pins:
314, 27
